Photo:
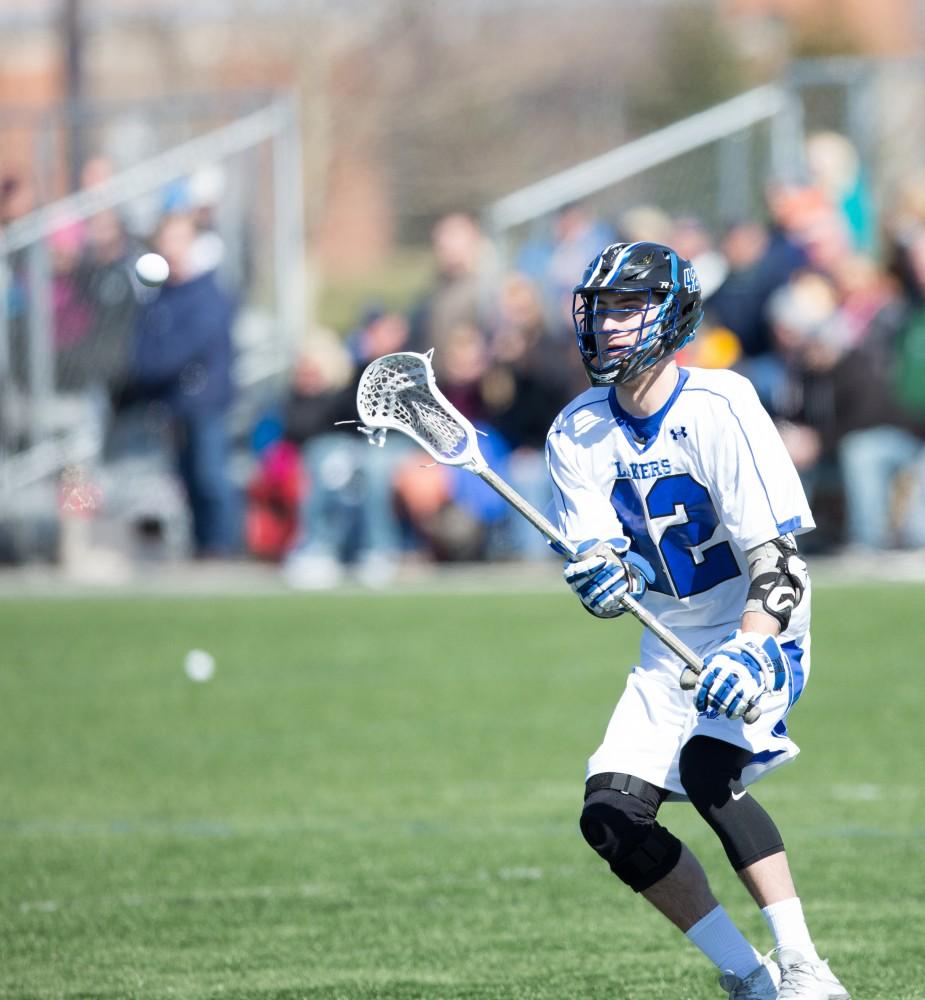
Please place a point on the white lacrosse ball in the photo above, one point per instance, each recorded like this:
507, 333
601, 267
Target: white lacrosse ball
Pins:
199, 665
152, 269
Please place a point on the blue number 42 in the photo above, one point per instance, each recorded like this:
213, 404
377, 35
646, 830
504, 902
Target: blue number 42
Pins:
682, 567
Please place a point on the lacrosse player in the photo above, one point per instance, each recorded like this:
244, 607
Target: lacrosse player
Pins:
674, 487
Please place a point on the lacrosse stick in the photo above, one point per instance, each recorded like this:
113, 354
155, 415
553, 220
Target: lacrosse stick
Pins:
399, 392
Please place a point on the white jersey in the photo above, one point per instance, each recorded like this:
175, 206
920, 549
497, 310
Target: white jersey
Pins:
691, 489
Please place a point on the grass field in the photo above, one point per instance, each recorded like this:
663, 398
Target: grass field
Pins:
378, 797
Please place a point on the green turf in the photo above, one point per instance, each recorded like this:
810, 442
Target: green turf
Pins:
377, 797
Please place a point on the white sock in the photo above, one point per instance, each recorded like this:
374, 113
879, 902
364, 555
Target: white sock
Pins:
788, 926
722, 942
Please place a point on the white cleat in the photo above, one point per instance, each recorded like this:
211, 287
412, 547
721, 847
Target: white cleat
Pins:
759, 985
801, 979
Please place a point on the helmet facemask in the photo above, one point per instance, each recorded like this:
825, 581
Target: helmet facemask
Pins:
637, 337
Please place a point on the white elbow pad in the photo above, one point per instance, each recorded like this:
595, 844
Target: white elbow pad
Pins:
778, 579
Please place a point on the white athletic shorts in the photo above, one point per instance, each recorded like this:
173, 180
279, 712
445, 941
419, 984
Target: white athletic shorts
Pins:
654, 717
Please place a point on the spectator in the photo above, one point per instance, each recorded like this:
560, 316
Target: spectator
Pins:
348, 516
464, 287
760, 261
72, 314
96, 170
803, 318
205, 190
693, 241
458, 517
17, 197
465, 361
908, 371
835, 168
104, 276
530, 378
318, 400
822, 233
645, 223
275, 492
182, 359
864, 291
553, 261
905, 215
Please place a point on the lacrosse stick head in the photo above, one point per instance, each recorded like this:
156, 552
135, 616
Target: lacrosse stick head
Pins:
399, 392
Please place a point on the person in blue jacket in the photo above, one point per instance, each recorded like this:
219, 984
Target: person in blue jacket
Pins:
182, 358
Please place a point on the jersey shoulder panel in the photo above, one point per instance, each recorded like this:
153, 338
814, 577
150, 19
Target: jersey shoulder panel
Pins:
720, 396
583, 413
723, 382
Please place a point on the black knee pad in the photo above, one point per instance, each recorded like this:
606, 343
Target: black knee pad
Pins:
618, 821
711, 773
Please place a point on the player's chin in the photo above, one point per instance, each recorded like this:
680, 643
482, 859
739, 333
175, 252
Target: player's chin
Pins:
607, 362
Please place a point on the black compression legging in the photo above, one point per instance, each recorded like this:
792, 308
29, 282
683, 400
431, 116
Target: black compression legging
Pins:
711, 773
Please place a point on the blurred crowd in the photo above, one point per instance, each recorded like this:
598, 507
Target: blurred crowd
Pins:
819, 302
827, 314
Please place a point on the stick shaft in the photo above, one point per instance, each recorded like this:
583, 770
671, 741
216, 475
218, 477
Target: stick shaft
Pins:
542, 524
545, 526
693, 663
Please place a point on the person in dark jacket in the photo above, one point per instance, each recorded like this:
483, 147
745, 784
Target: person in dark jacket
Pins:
182, 358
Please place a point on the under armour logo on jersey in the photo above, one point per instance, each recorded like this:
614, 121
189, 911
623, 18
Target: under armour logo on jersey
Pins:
678, 432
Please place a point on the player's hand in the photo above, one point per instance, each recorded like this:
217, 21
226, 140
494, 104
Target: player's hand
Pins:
601, 573
734, 676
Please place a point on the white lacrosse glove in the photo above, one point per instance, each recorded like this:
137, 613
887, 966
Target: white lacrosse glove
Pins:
601, 573
736, 674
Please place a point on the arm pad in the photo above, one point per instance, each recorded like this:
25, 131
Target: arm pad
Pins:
778, 579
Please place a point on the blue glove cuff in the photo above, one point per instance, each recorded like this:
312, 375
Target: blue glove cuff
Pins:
643, 576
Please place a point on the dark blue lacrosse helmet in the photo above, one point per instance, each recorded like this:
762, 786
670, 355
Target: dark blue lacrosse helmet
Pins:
645, 280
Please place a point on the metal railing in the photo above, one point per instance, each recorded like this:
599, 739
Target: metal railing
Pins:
764, 104
39, 450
